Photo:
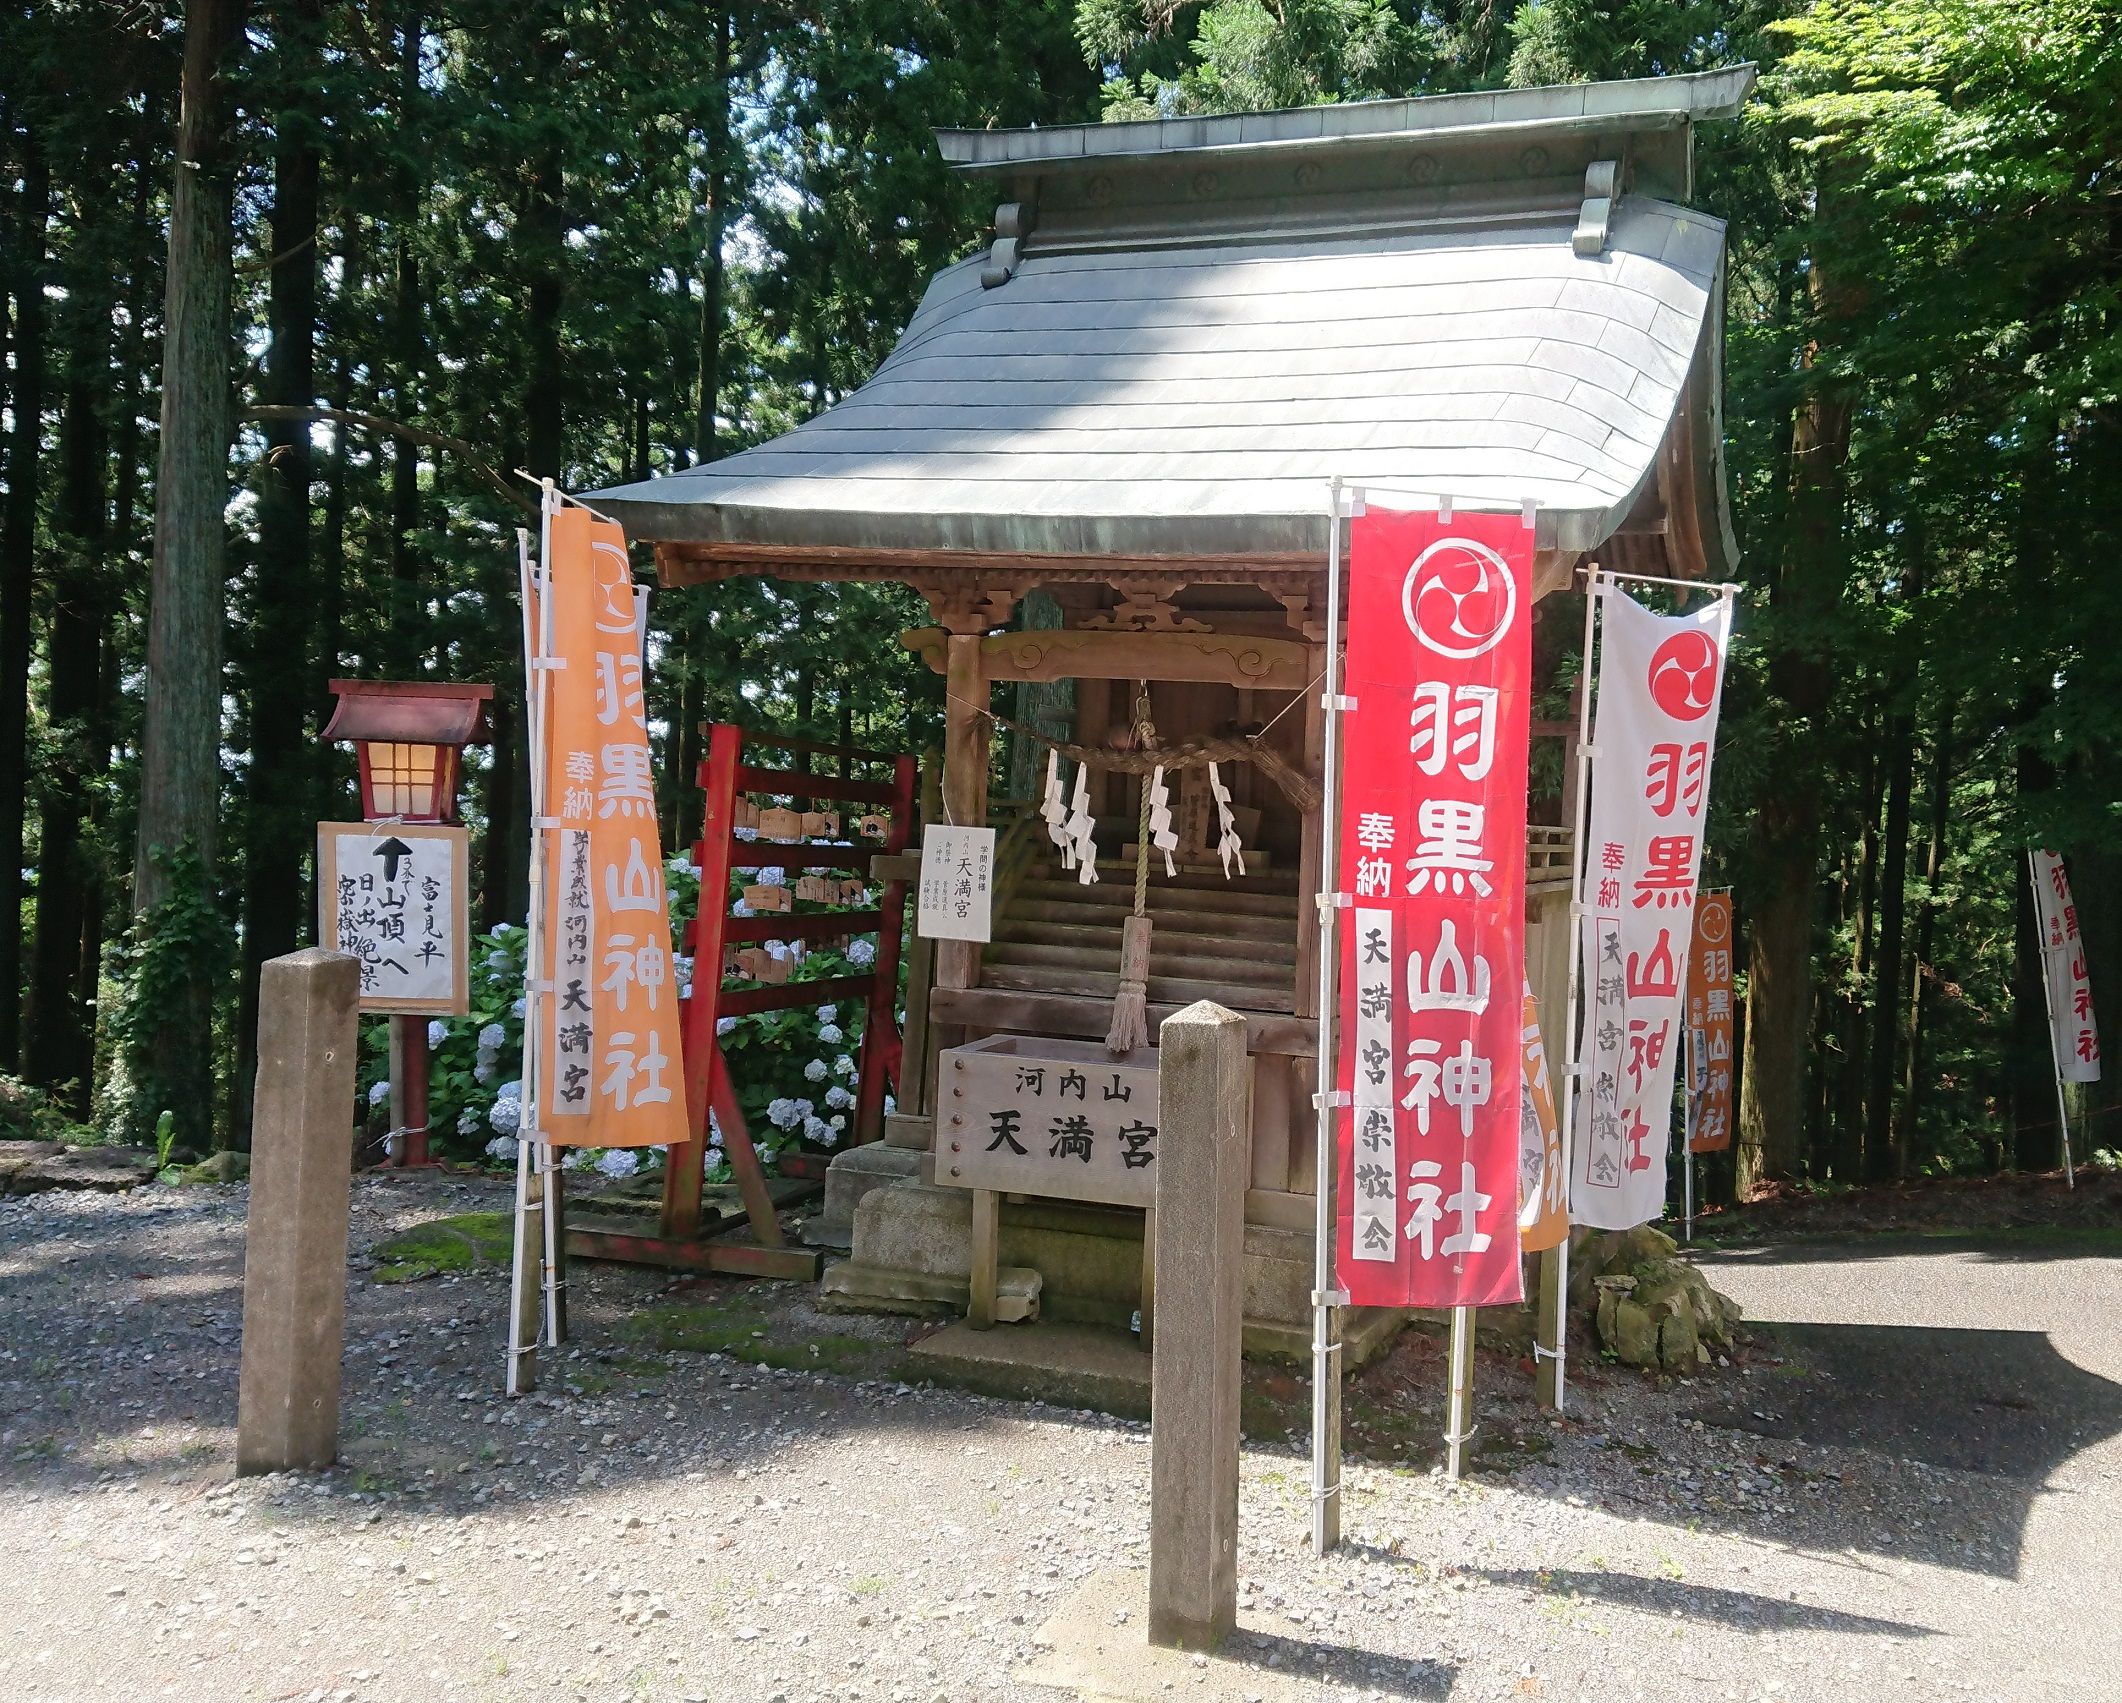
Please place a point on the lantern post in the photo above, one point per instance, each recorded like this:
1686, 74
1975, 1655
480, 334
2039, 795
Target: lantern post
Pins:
409, 736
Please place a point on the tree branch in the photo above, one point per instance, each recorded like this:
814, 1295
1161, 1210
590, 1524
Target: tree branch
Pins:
469, 455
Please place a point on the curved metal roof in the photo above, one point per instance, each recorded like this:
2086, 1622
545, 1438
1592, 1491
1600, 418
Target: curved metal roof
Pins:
1176, 368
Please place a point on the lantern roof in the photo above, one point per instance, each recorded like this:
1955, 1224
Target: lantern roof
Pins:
1181, 329
424, 712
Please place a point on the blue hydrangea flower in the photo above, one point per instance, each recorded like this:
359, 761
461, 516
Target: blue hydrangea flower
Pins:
619, 1162
861, 953
814, 1071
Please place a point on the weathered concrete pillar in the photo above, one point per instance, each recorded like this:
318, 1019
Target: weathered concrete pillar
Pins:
1203, 1156
294, 1260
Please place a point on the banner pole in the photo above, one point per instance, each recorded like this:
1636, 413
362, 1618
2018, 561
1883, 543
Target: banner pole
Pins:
1326, 1346
2048, 1002
1459, 1411
524, 1324
1558, 1354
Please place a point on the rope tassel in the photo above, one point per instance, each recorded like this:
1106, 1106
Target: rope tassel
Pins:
1130, 1025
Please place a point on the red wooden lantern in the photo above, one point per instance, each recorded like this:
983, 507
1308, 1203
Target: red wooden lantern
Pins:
410, 736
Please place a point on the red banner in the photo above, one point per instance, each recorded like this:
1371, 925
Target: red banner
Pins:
1709, 1027
1432, 951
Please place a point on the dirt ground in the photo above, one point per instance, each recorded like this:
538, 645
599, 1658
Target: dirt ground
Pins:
1907, 1490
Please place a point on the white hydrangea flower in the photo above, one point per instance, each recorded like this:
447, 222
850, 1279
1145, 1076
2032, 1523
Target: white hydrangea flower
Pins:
725, 1025
844, 1066
814, 1071
839, 1122
782, 1114
506, 1116
773, 875
501, 1147
379, 1092
437, 1033
619, 1162
828, 1013
838, 1098
492, 1038
831, 1035
861, 952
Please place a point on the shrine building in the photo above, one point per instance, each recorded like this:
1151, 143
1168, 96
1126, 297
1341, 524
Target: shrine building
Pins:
1101, 451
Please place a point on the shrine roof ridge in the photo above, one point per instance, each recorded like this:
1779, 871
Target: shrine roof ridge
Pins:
1499, 115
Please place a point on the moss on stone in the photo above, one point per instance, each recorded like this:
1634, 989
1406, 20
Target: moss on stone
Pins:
463, 1243
743, 1333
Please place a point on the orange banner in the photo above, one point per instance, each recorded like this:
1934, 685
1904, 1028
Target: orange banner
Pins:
1543, 1215
609, 1068
1709, 1026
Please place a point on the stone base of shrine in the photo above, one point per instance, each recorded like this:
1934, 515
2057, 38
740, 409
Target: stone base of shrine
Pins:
912, 1242
850, 1179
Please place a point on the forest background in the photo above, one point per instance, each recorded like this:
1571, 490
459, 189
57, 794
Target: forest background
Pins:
292, 288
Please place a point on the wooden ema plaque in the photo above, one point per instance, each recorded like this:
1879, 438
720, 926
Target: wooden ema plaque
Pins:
1028, 1115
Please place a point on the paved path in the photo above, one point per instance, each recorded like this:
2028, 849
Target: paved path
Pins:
1921, 1503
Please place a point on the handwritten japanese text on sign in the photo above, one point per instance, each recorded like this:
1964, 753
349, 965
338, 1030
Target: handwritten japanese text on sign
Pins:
1655, 729
2075, 1034
1433, 854
393, 896
957, 883
1709, 1027
609, 1065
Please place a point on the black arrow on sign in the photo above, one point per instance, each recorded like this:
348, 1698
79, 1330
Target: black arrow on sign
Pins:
391, 850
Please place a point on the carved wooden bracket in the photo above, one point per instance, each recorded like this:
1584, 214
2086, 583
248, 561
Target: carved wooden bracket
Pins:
1145, 607
1298, 608
969, 605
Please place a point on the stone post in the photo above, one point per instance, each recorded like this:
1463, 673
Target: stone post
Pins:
294, 1261
1202, 1162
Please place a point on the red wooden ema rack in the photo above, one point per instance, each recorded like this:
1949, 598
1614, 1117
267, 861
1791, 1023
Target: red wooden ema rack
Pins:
753, 1244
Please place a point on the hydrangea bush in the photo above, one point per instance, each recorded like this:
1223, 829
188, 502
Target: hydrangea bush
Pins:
794, 1069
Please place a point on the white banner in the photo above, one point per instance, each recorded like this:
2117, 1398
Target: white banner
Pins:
2075, 1037
1654, 732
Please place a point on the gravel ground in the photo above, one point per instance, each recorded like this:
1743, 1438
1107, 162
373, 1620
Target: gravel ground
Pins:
1912, 1496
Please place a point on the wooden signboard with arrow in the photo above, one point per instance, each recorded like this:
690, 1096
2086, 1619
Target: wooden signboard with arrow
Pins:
393, 894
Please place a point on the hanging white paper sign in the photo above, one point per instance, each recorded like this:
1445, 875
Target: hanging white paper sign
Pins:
957, 883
